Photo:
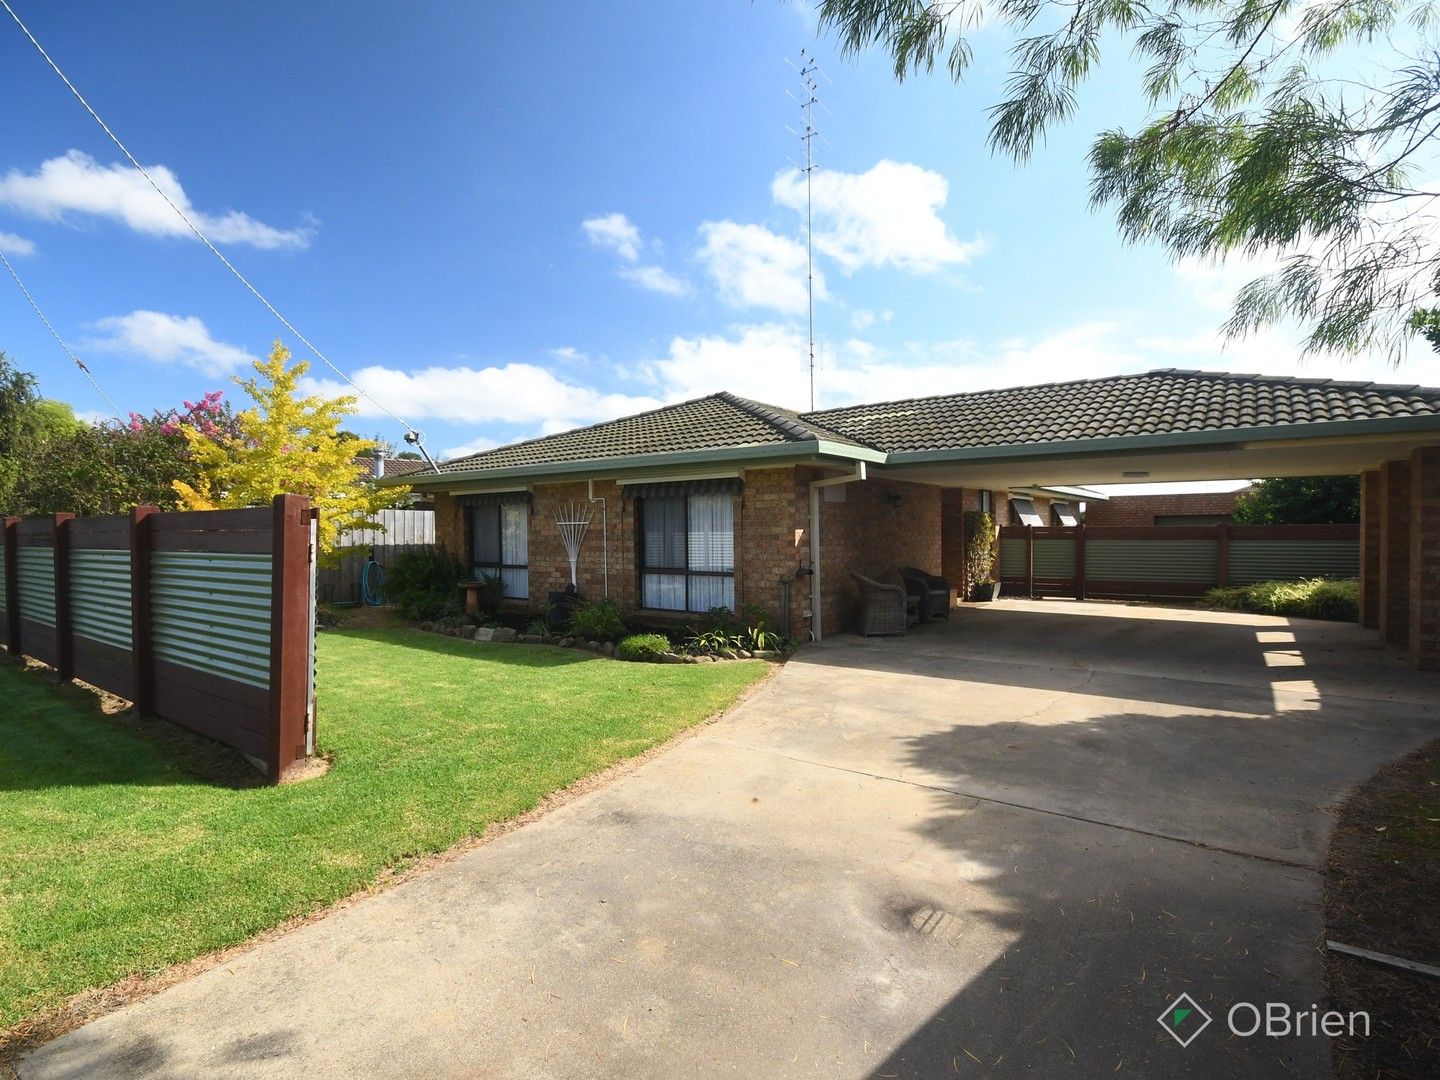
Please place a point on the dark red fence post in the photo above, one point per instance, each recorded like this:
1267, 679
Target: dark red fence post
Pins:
290, 631
12, 586
1030, 561
142, 657
64, 631
1080, 561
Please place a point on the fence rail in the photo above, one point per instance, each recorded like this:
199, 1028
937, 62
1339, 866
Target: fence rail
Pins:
1170, 562
202, 618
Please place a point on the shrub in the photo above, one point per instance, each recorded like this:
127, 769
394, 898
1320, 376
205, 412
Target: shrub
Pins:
1318, 598
597, 620
642, 646
425, 585
706, 642
979, 546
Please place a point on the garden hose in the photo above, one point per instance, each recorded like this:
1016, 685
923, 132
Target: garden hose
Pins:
372, 583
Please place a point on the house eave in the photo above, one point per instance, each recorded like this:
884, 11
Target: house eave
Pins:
798, 453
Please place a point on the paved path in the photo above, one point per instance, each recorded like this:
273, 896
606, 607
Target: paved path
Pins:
994, 848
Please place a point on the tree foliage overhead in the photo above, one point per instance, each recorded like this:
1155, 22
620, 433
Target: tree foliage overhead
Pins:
1300, 500
1295, 129
289, 443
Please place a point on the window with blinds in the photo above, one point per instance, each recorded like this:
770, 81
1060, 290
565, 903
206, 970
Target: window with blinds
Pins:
500, 546
687, 551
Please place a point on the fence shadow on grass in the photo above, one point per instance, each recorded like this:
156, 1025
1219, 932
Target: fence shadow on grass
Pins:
526, 655
64, 735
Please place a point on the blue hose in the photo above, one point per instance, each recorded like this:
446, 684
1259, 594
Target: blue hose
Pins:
372, 583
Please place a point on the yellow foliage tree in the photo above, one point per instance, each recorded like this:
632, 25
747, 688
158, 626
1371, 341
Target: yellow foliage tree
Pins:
289, 444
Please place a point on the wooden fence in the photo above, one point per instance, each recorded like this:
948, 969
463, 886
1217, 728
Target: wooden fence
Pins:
400, 531
203, 618
1170, 561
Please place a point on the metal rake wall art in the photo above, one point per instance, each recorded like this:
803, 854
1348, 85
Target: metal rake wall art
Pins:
572, 520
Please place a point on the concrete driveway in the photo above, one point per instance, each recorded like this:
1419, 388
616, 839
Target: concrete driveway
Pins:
997, 847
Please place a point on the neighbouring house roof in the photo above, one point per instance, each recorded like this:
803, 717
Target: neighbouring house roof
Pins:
391, 467
1162, 402
717, 422
1151, 407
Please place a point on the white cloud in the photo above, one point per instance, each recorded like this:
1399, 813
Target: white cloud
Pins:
77, 184
169, 339
11, 244
615, 232
863, 319
570, 354
466, 449
655, 279
510, 393
754, 267
886, 216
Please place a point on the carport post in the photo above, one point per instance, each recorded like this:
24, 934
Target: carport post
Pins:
1395, 552
1425, 558
1080, 561
1370, 509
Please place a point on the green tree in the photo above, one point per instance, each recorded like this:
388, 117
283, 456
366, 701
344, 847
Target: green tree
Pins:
1287, 128
1300, 500
17, 404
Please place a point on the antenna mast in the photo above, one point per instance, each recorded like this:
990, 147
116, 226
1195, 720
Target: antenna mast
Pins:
807, 102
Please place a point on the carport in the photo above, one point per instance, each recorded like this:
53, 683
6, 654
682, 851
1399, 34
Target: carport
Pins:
1174, 425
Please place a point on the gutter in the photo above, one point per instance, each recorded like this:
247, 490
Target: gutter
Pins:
815, 486
612, 467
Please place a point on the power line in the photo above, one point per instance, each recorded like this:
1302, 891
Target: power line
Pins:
412, 436
56, 335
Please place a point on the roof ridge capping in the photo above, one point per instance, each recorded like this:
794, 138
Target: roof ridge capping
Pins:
790, 424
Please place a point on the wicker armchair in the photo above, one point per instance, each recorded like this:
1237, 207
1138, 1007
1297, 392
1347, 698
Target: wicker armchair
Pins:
933, 593
884, 609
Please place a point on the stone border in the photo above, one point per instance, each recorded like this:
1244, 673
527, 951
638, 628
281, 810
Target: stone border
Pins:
502, 635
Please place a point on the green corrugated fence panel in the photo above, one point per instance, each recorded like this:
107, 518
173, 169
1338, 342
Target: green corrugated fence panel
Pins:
1055, 558
212, 613
1152, 560
100, 595
1012, 558
1292, 560
36, 584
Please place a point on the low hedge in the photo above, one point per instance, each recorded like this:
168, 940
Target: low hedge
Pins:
642, 646
1318, 598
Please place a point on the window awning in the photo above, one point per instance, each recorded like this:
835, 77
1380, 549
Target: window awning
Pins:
494, 498
1064, 513
723, 485
1024, 509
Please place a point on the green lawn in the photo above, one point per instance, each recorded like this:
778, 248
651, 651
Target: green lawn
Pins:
115, 859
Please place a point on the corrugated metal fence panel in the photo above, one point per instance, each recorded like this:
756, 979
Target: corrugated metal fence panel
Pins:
100, 595
36, 581
1054, 559
212, 613
1292, 560
1012, 558
4, 585
1187, 561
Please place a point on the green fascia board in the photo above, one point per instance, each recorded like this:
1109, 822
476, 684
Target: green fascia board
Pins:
1177, 440
766, 453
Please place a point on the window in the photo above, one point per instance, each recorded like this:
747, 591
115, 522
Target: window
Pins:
500, 546
687, 552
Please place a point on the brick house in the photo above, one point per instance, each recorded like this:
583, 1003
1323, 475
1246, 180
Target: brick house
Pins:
1183, 508
726, 501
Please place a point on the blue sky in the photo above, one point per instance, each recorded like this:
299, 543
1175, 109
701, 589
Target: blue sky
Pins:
505, 220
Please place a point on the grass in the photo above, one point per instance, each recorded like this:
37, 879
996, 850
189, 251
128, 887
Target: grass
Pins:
1318, 598
116, 859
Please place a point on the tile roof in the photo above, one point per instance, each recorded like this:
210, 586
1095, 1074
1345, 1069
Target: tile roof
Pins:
719, 421
1168, 401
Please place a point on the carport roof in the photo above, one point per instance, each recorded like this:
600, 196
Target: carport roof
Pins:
1163, 402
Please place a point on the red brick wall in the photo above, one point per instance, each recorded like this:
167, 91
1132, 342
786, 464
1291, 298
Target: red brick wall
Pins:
1370, 548
1394, 603
1424, 560
1142, 510
772, 539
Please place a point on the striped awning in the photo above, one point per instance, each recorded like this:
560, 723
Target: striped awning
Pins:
723, 485
495, 498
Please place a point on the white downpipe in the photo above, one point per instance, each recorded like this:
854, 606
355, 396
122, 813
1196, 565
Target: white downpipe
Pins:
815, 486
604, 533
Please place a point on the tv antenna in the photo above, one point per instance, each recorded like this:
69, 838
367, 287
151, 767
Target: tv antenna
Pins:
809, 97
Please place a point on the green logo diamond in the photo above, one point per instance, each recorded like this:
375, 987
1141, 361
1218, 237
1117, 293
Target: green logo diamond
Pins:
1184, 1019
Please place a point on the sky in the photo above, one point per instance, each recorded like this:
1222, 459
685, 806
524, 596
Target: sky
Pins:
503, 221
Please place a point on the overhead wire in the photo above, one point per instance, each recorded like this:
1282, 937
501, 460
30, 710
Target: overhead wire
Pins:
59, 340
412, 435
